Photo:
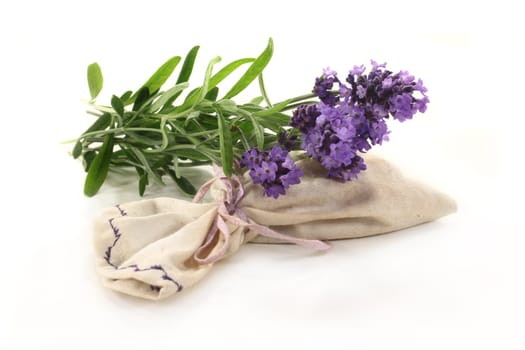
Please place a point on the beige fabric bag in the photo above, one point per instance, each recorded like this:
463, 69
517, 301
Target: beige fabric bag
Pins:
147, 248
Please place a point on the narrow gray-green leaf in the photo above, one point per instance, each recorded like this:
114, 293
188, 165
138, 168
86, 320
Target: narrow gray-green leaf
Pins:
215, 80
187, 66
275, 109
143, 180
262, 88
87, 159
125, 96
212, 94
160, 76
144, 161
258, 130
184, 76
184, 184
207, 77
227, 105
257, 100
253, 71
227, 70
95, 80
225, 141
166, 97
117, 105
100, 124
99, 168
141, 96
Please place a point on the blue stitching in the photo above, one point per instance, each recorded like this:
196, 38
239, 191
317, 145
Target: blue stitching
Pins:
122, 211
107, 256
117, 234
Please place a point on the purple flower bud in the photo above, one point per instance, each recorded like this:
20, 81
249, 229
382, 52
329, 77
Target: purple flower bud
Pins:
288, 140
376, 66
251, 158
419, 87
387, 83
304, 117
358, 70
361, 91
327, 72
274, 190
405, 77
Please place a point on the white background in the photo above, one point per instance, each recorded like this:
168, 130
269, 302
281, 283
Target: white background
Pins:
457, 283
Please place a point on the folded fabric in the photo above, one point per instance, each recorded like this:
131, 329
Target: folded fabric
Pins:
158, 247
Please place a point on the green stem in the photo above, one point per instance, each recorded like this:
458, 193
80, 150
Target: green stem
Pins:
301, 98
295, 105
115, 131
263, 91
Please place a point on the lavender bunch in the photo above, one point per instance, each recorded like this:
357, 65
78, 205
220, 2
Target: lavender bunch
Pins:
352, 118
163, 127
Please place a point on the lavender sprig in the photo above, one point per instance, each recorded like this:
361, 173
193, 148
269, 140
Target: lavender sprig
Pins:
275, 170
158, 132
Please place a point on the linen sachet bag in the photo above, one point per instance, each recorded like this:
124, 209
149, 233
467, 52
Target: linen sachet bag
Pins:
158, 247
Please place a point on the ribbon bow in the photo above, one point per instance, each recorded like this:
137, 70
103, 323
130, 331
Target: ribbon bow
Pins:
229, 212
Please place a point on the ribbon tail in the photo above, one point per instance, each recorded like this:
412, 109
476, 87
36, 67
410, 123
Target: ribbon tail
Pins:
203, 190
308, 243
268, 232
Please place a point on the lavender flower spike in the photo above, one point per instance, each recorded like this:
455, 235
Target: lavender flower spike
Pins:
275, 170
352, 119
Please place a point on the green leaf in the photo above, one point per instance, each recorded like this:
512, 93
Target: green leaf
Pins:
184, 76
274, 121
117, 105
225, 141
212, 94
258, 130
99, 168
144, 161
142, 96
87, 159
143, 181
158, 78
257, 100
276, 108
125, 96
184, 184
100, 124
191, 116
167, 97
253, 71
192, 154
207, 77
215, 80
187, 66
227, 106
259, 133
263, 90
227, 70
95, 80
190, 99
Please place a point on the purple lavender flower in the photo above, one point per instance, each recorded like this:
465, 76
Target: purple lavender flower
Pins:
357, 70
401, 107
353, 121
324, 84
274, 170
288, 140
304, 117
